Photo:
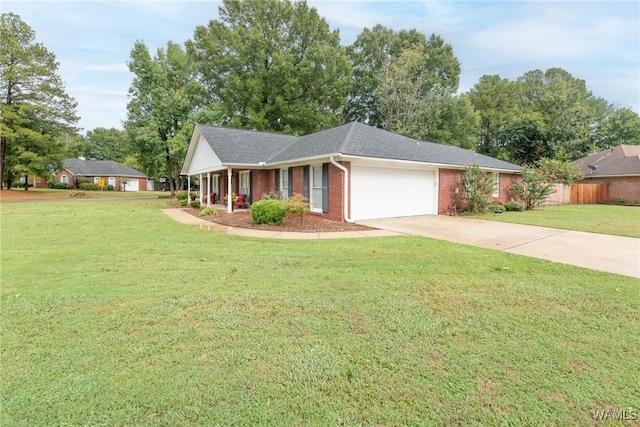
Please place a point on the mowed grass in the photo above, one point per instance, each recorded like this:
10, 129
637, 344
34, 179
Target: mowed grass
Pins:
605, 219
113, 314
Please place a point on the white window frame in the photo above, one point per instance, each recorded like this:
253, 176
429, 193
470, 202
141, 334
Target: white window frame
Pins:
244, 177
112, 181
96, 179
284, 183
496, 185
64, 179
215, 186
315, 189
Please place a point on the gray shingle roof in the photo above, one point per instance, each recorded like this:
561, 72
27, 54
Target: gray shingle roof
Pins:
620, 160
244, 146
354, 139
100, 168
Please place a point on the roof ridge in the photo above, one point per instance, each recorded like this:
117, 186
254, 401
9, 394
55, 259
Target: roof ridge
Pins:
347, 138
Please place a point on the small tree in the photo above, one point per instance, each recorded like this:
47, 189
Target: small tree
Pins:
297, 205
560, 171
478, 188
535, 187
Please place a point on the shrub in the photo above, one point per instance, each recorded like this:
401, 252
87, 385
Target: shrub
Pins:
109, 187
535, 187
181, 195
620, 201
478, 188
268, 211
297, 205
514, 206
17, 184
208, 211
493, 208
272, 195
62, 186
195, 204
89, 186
183, 202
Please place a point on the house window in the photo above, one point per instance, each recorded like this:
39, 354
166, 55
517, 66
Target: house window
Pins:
216, 185
64, 179
112, 181
245, 183
316, 189
96, 179
496, 185
284, 183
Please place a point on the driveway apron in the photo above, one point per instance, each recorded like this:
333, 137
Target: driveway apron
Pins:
614, 254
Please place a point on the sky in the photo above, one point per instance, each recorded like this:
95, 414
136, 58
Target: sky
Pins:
596, 41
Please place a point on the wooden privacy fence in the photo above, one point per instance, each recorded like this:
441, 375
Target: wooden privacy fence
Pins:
584, 194
560, 196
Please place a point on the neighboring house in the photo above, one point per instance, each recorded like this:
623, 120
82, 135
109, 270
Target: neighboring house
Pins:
121, 177
351, 172
618, 167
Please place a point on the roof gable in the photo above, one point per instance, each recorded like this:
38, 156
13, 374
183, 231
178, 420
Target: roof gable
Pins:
100, 168
619, 160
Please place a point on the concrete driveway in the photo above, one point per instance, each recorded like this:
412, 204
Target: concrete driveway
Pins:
613, 254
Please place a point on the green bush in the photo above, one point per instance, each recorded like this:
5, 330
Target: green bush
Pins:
195, 204
109, 187
18, 184
209, 211
296, 205
89, 186
62, 186
181, 195
268, 211
514, 206
493, 208
183, 202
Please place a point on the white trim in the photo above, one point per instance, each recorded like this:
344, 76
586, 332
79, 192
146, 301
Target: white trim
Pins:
314, 186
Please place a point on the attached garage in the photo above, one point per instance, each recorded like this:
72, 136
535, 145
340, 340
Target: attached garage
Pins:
388, 192
132, 185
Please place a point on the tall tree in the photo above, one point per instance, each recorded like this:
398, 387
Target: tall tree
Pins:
38, 116
370, 56
273, 65
104, 144
495, 99
162, 97
622, 126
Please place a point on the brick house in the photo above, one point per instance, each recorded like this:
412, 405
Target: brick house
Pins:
121, 177
618, 167
348, 173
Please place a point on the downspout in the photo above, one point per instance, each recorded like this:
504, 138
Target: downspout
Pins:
345, 195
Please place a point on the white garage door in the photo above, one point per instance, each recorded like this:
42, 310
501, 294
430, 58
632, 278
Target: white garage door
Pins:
386, 192
132, 185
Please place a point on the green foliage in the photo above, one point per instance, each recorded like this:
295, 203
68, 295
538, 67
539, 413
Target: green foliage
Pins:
559, 171
478, 188
109, 187
495, 208
297, 205
620, 201
183, 202
195, 204
37, 116
208, 211
513, 206
88, 186
268, 211
275, 195
534, 189
275, 65
62, 186
181, 195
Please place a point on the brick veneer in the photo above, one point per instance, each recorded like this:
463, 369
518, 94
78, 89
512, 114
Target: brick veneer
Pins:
623, 187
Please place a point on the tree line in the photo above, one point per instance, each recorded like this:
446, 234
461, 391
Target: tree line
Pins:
275, 65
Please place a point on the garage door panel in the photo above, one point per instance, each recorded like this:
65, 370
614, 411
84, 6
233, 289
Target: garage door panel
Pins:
386, 192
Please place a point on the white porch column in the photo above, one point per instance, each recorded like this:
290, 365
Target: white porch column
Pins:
208, 189
201, 189
188, 188
229, 198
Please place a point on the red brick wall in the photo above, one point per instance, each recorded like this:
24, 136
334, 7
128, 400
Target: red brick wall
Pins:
262, 182
449, 179
624, 187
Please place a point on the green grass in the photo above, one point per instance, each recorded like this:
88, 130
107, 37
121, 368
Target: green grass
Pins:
604, 219
117, 315
51, 193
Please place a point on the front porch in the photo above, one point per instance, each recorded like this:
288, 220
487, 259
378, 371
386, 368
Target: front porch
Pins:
229, 189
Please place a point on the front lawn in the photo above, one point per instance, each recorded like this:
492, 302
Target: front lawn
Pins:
113, 314
604, 219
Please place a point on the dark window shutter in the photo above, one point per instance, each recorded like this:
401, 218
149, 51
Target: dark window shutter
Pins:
305, 182
250, 195
290, 173
325, 187
277, 185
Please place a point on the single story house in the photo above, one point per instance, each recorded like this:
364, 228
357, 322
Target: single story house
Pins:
618, 167
121, 177
348, 173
